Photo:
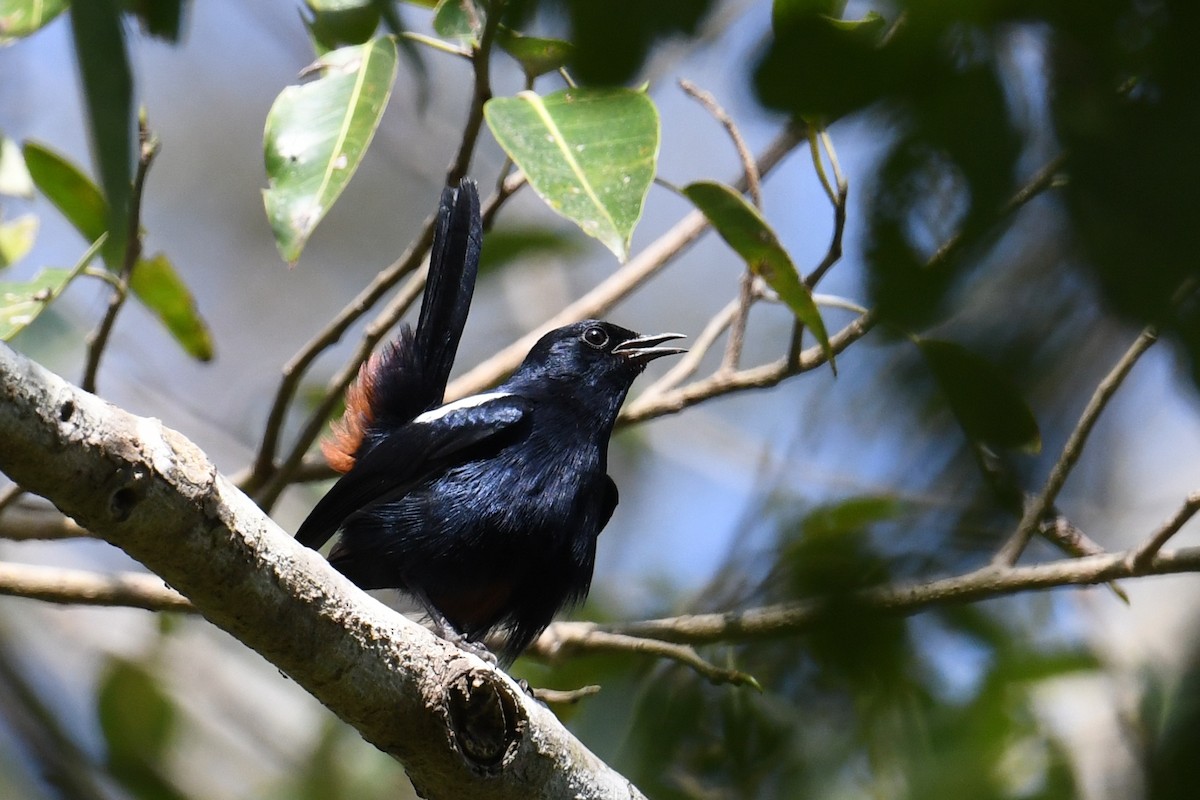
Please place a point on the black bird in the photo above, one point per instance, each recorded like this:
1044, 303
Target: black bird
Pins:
487, 509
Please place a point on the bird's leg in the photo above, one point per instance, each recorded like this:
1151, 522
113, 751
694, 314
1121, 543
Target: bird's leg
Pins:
446, 630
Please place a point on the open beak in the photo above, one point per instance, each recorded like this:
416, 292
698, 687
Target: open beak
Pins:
646, 348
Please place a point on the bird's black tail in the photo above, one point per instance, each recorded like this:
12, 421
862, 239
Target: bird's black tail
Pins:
409, 375
453, 265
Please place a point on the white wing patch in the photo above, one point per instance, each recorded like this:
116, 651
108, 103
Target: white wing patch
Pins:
467, 402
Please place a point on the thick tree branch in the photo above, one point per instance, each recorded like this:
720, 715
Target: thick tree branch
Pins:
460, 727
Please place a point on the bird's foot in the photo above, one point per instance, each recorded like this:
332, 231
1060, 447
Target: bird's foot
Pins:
443, 628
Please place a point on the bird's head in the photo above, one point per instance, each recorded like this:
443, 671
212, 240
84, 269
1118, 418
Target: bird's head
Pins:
596, 354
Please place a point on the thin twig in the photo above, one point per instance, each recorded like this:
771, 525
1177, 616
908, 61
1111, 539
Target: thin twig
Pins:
295, 369
570, 638
98, 341
753, 181
746, 293
1040, 506
760, 377
1141, 558
687, 365
481, 59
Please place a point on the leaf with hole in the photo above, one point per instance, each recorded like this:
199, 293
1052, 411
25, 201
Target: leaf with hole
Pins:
744, 229
589, 153
985, 402
316, 135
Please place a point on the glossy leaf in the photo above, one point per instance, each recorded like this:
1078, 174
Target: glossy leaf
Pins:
589, 153
16, 238
22, 301
316, 136
536, 55
71, 192
108, 93
158, 286
14, 175
985, 402
745, 230
20, 18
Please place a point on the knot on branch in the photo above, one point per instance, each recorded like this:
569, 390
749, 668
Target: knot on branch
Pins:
485, 719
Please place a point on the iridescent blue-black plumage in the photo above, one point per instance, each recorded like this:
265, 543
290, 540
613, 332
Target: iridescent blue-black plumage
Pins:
486, 510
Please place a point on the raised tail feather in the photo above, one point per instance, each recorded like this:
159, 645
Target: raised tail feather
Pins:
409, 375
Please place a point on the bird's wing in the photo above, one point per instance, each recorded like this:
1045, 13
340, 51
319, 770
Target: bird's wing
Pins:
411, 453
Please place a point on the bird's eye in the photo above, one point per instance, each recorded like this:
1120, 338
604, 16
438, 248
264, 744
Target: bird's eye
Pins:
596, 337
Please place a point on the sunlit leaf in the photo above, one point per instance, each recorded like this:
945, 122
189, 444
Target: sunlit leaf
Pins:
589, 153
537, 55
71, 191
158, 286
14, 175
22, 301
20, 18
986, 403
744, 229
316, 136
16, 238
108, 91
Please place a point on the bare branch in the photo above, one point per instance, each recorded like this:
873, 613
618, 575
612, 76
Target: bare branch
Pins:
1141, 558
760, 377
1037, 510
904, 600
98, 341
79, 587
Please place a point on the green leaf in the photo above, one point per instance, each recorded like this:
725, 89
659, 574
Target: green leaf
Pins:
22, 301
335, 23
14, 175
744, 229
20, 18
460, 20
138, 721
506, 245
589, 153
16, 238
108, 91
536, 55
316, 136
158, 286
986, 403
71, 192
